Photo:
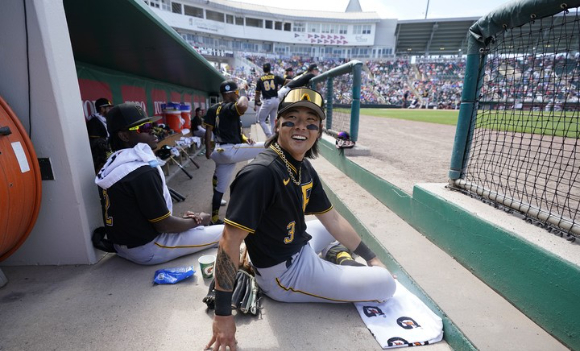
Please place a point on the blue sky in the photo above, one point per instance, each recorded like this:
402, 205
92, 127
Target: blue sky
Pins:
400, 9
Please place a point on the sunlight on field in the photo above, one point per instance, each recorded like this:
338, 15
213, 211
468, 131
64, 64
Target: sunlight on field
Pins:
448, 117
554, 123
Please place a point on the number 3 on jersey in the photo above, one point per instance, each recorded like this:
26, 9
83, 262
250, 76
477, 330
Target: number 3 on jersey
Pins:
291, 227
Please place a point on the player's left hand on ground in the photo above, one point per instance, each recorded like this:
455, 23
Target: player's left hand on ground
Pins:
250, 141
224, 334
375, 262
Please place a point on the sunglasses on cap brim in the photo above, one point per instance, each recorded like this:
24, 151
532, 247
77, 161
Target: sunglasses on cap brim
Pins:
302, 94
145, 128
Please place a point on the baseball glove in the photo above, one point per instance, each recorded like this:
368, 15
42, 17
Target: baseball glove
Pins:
342, 256
246, 295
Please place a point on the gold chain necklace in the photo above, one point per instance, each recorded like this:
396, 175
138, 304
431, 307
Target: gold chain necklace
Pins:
281, 154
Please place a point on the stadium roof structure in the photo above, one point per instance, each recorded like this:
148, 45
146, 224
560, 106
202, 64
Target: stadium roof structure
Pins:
291, 14
433, 36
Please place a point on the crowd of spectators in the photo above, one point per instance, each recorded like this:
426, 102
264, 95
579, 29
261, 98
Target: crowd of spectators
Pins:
437, 83
550, 81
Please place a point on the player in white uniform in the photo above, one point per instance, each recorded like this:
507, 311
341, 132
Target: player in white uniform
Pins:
269, 200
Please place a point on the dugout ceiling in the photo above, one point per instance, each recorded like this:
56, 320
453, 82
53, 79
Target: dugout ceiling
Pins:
126, 36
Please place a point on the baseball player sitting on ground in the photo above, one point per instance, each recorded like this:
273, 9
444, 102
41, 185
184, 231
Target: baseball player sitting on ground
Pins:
267, 98
231, 145
137, 207
269, 200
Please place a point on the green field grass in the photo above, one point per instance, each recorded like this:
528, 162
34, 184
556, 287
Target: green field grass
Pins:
565, 124
448, 117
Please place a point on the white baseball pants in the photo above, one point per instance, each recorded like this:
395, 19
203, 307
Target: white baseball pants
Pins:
309, 278
225, 158
269, 108
169, 246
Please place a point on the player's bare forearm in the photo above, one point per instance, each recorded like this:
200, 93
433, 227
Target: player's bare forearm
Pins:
242, 105
208, 150
201, 218
340, 229
173, 224
228, 258
226, 268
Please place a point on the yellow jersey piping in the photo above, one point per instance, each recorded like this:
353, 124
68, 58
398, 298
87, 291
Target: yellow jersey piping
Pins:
185, 246
239, 226
155, 220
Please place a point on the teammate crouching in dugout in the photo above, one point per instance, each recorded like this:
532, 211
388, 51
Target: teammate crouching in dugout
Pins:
137, 206
268, 202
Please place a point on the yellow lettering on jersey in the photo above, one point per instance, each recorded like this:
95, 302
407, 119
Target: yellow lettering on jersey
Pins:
306, 190
286, 181
108, 219
291, 227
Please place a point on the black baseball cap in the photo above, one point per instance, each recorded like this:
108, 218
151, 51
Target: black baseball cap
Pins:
303, 97
102, 102
267, 67
289, 69
312, 67
127, 115
229, 86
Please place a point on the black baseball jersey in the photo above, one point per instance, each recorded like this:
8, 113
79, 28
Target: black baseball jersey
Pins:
225, 120
96, 128
265, 202
301, 80
268, 84
196, 122
132, 205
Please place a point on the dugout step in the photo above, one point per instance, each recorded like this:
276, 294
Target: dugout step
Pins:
475, 316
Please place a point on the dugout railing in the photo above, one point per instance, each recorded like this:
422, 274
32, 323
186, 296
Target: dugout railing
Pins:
516, 143
348, 89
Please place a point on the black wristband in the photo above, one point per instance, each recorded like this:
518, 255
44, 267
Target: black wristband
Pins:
363, 251
223, 303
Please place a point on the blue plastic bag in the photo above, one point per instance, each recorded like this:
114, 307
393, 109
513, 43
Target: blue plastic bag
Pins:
172, 275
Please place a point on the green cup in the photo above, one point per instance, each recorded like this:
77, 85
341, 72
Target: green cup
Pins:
206, 263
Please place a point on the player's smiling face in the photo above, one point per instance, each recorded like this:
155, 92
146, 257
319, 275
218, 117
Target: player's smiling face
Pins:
298, 129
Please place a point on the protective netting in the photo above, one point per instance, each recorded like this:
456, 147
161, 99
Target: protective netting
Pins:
341, 101
524, 150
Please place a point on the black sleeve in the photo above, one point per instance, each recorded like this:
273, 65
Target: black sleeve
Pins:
96, 129
279, 80
259, 85
209, 118
232, 108
301, 81
251, 193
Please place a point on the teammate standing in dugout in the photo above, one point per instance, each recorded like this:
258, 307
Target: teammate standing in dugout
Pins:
267, 98
289, 73
301, 80
231, 145
269, 200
